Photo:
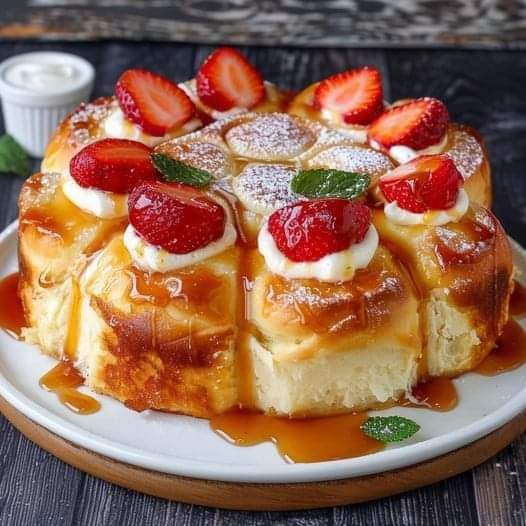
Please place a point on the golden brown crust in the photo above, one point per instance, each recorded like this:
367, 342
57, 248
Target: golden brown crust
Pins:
79, 128
378, 305
155, 367
166, 340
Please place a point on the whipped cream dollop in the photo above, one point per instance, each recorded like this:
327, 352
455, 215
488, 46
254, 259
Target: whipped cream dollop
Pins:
338, 266
355, 132
399, 216
404, 154
116, 125
155, 259
105, 205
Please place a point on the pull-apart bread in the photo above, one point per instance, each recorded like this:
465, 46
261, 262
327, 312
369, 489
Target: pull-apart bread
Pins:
269, 260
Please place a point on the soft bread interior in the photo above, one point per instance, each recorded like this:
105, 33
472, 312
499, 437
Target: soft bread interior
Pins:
451, 337
329, 383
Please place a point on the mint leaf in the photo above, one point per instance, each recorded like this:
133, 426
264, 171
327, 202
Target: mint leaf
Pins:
330, 183
177, 171
389, 428
13, 158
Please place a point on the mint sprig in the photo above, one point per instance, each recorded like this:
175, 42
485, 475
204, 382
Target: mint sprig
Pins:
323, 182
389, 428
174, 170
13, 158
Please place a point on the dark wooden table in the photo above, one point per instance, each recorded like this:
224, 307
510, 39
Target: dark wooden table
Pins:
485, 89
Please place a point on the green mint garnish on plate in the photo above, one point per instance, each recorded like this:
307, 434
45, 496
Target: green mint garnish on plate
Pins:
175, 171
323, 182
389, 428
13, 158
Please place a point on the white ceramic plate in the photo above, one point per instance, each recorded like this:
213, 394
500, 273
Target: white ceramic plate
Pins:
186, 446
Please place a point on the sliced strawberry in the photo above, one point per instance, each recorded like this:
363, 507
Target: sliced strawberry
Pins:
153, 102
176, 217
113, 165
417, 124
227, 80
310, 230
356, 95
430, 182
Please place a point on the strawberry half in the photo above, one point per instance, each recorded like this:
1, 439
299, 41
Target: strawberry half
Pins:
153, 102
227, 80
417, 124
310, 230
356, 95
113, 165
430, 182
176, 217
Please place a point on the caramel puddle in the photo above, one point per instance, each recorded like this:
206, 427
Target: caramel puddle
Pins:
63, 380
509, 352
12, 318
299, 439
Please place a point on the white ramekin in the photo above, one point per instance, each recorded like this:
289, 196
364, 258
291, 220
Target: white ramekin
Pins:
31, 116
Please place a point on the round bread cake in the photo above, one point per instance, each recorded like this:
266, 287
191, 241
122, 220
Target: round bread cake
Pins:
202, 336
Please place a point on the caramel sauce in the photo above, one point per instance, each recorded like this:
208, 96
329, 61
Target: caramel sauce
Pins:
243, 238
464, 242
12, 317
46, 224
299, 439
72, 336
246, 388
63, 380
197, 290
437, 394
518, 300
509, 352
60, 223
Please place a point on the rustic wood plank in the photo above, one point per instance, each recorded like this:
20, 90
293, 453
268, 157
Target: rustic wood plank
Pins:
500, 487
34, 487
341, 23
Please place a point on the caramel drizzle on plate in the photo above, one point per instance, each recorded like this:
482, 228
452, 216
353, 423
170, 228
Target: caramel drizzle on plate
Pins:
64, 380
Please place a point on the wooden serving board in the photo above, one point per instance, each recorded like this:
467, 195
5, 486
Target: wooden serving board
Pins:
248, 496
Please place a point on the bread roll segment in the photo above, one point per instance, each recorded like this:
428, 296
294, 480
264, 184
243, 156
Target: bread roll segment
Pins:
464, 273
160, 341
321, 348
56, 241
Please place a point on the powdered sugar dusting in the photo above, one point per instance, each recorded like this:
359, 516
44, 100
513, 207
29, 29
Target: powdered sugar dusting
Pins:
352, 158
264, 188
466, 153
270, 137
85, 120
202, 155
